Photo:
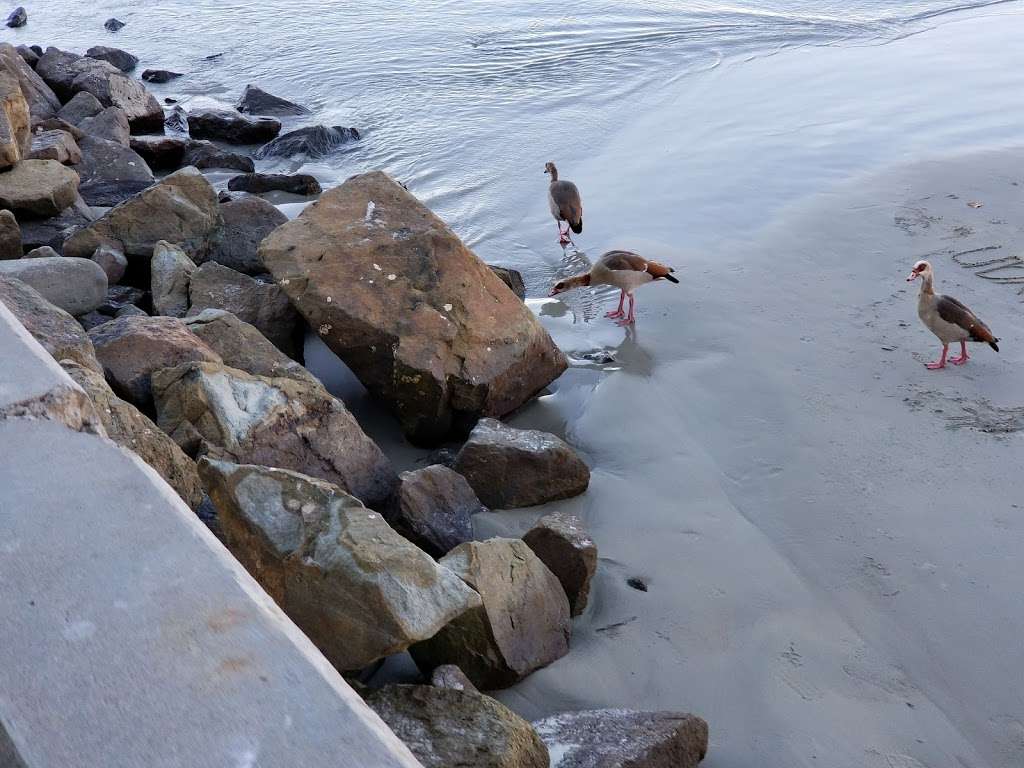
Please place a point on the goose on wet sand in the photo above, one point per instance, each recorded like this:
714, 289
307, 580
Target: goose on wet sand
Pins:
627, 271
947, 318
564, 201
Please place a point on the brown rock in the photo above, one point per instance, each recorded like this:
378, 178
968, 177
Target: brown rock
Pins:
10, 236
433, 508
225, 413
55, 145
522, 626
562, 544
111, 261
38, 188
512, 278
131, 349
15, 122
422, 322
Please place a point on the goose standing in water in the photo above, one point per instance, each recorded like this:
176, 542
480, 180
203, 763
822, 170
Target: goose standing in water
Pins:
565, 203
947, 318
627, 271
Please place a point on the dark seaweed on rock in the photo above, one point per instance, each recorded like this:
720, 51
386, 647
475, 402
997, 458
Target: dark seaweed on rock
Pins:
313, 141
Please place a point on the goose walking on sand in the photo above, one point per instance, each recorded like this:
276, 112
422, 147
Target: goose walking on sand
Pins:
564, 201
947, 318
627, 271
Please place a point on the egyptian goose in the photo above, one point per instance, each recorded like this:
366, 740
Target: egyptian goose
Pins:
947, 318
627, 271
564, 201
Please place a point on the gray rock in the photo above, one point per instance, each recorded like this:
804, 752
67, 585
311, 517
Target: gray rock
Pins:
433, 508
42, 101
523, 624
232, 127
313, 141
111, 261
90, 320
623, 738
512, 278
511, 468
170, 272
130, 310
56, 124
38, 188
246, 223
28, 55
160, 75
257, 302
55, 145
447, 728
121, 296
176, 120
256, 183
161, 153
55, 230
131, 349
75, 285
111, 173
205, 154
10, 236
120, 59
113, 25
256, 101
225, 413
358, 590
110, 124
81, 106
42, 252
450, 676
563, 545
17, 18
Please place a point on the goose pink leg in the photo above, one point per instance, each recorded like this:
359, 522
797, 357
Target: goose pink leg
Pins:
563, 236
941, 362
964, 357
618, 312
630, 318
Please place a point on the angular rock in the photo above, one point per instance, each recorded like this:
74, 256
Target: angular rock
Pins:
123, 60
110, 172
522, 625
112, 262
42, 252
129, 427
75, 285
232, 127
55, 145
54, 231
422, 322
130, 349
15, 122
511, 468
110, 124
10, 236
176, 120
246, 223
159, 75
58, 69
28, 55
161, 153
512, 278
205, 154
181, 208
131, 310
113, 25
433, 508
170, 272
446, 728
38, 188
57, 331
259, 303
81, 106
562, 544
225, 413
256, 183
314, 141
106, 193
623, 738
90, 320
450, 676
56, 124
355, 587
121, 296
242, 346
256, 101
42, 101
17, 18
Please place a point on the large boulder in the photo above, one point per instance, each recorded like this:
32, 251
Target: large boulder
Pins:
242, 346
563, 545
75, 285
81, 106
228, 414
38, 188
170, 272
42, 101
132, 348
15, 122
246, 223
258, 302
448, 728
422, 322
110, 123
433, 508
622, 738
129, 427
55, 145
57, 331
522, 625
257, 183
355, 587
10, 236
256, 101
314, 141
510, 467
206, 154
230, 126
181, 208
123, 60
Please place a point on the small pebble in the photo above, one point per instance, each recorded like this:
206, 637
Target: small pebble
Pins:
637, 583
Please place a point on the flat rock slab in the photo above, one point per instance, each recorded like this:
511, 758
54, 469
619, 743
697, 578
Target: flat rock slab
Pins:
433, 508
564, 546
447, 728
511, 468
55, 145
75, 285
38, 188
422, 322
622, 738
358, 589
